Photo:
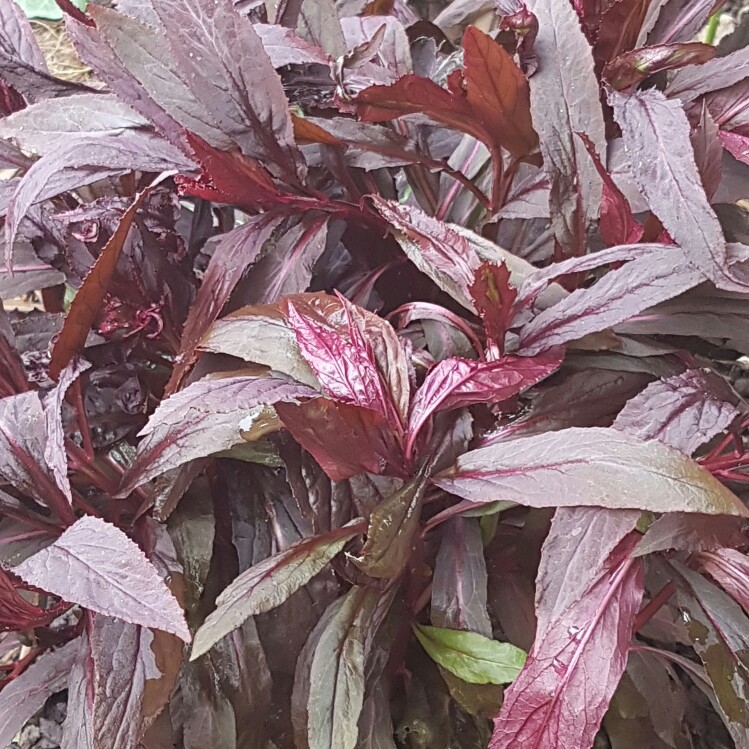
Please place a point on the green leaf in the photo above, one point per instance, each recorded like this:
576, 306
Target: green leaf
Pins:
46, 9
470, 656
269, 583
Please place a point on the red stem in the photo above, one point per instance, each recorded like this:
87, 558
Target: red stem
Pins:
654, 605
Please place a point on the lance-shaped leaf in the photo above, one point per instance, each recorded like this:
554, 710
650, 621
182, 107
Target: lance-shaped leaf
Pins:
494, 296
690, 83
336, 675
489, 100
454, 383
54, 449
393, 526
575, 665
206, 417
81, 161
619, 295
470, 656
684, 411
284, 47
17, 36
588, 467
565, 101
718, 629
27, 693
730, 569
459, 594
633, 67
225, 65
95, 565
268, 584
685, 532
619, 28
233, 253
87, 302
41, 127
656, 135
680, 21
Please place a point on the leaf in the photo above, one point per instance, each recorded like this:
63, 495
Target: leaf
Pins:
595, 466
565, 101
17, 36
43, 126
691, 533
656, 135
471, 656
269, 583
684, 411
261, 335
95, 565
206, 417
233, 253
621, 294
27, 693
730, 569
619, 28
337, 673
284, 47
87, 303
345, 440
81, 161
392, 530
496, 90
54, 449
454, 383
680, 21
225, 65
563, 691
321, 21
433, 248
717, 628
633, 67
694, 81
494, 297
459, 596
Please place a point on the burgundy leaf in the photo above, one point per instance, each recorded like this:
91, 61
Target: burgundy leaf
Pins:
206, 417
691, 82
730, 569
680, 21
617, 225
233, 253
736, 144
631, 68
97, 566
619, 28
79, 162
150, 84
54, 449
588, 398
284, 47
27, 693
345, 440
574, 667
565, 101
656, 134
684, 411
268, 584
454, 383
41, 127
17, 36
708, 152
494, 297
623, 293
718, 630
225, 65
583, 467
459, 595
690, 532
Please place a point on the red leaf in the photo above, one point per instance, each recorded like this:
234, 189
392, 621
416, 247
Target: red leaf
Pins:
489, 101
619, 28
87, 302
494, 296
454, 383
575, 665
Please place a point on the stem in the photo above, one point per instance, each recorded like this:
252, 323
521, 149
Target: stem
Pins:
76, 395
497, 181
712, 28
654, 605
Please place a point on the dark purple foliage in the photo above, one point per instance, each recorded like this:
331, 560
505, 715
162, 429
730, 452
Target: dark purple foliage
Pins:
393, 354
